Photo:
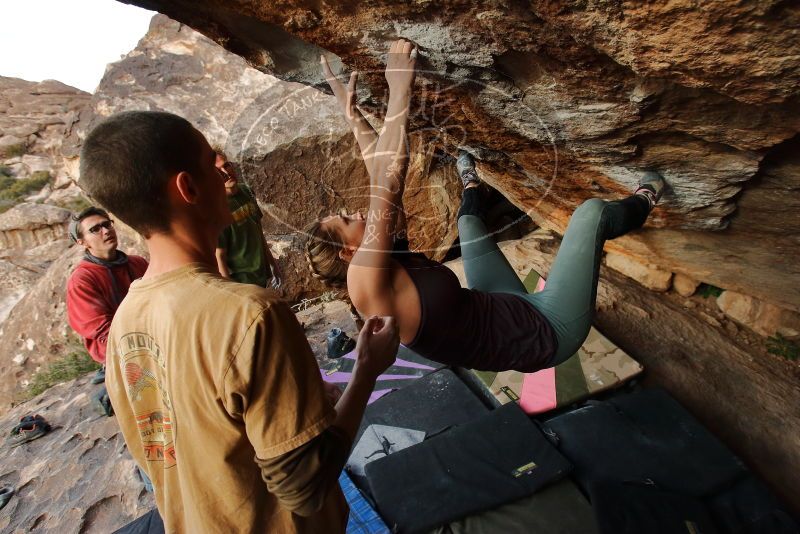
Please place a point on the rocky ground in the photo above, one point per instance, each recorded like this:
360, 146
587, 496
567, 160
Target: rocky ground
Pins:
77, 478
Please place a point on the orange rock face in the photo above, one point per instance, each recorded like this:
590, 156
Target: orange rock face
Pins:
567, 100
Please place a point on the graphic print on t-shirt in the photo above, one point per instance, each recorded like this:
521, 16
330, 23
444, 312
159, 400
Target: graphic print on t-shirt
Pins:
245, 211
144, 368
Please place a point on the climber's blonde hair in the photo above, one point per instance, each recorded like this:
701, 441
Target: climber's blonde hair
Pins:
322, 254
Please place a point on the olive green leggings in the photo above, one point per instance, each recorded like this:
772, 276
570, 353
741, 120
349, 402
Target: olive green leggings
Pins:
568, 299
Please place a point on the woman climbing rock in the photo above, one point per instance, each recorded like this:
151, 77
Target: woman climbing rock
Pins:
495, 325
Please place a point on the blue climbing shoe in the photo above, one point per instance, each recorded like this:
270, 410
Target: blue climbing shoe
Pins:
465, 164
651, 187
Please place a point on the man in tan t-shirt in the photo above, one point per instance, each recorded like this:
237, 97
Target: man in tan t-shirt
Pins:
215, 387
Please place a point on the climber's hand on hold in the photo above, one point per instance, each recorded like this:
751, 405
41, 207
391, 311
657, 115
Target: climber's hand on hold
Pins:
400, 66
345, 95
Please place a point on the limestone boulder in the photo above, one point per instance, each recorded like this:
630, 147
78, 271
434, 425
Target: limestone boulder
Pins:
36, 329
762, 317
34, 164
20, 270
14, 283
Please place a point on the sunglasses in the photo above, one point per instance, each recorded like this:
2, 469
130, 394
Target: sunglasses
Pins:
108, 225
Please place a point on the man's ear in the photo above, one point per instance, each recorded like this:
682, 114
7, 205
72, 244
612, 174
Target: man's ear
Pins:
186, 188
81, 242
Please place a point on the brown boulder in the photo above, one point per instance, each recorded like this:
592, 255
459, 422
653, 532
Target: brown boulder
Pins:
684, 285
37, 118
762, 317
566, 100
649, 276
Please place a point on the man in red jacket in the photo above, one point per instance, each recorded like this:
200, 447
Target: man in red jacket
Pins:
99, 282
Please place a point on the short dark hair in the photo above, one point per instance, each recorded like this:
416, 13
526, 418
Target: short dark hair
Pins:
127, 159
75, 231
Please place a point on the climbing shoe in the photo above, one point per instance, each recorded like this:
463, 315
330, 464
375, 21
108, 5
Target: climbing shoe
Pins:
339, 343
29, 428
651, 187
100, 376
465, 164
102, 403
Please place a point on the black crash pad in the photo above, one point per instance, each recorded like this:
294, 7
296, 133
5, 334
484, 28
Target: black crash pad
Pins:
495, 459
640, 436
149, 523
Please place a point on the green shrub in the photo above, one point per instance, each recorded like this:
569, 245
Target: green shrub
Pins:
14, 190
6, 182
6, 205
5, 171
76, 363
781, 346
20, 149
74, 204
707, 290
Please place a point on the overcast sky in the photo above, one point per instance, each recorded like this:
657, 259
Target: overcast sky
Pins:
69, 41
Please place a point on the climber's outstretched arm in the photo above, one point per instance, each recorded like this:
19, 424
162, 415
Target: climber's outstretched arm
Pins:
369, 274
365, 134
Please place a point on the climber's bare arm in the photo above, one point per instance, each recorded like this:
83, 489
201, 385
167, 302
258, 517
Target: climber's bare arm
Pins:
369, 270
365, 134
